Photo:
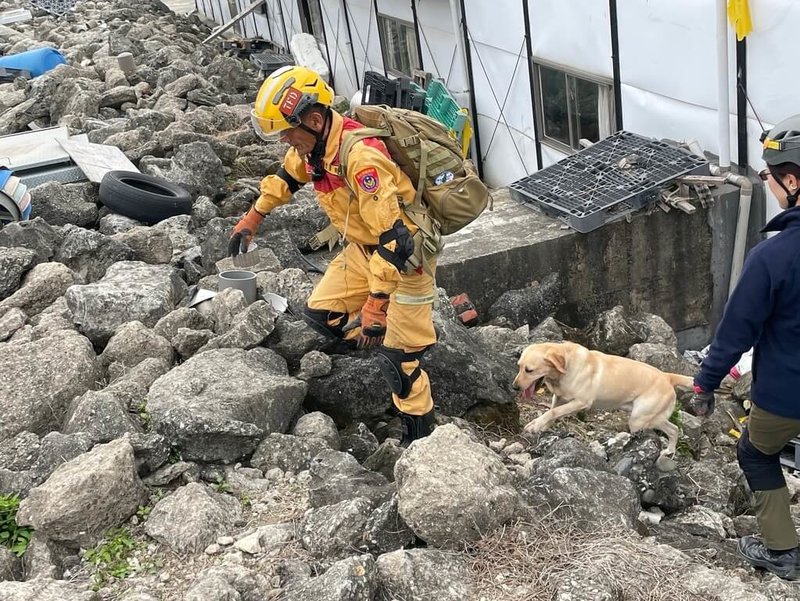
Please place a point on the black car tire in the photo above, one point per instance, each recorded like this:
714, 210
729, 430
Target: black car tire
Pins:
143, 197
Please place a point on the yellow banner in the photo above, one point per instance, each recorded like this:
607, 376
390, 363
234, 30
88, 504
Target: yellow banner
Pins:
739, 16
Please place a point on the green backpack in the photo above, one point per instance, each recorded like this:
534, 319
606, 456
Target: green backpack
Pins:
449, 192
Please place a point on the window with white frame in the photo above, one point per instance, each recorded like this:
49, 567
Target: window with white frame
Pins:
572, 107
398, 45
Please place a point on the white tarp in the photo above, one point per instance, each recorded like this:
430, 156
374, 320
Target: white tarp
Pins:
573, 33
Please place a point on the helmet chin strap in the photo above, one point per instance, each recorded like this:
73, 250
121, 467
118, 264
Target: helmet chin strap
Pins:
317, 154
791, 197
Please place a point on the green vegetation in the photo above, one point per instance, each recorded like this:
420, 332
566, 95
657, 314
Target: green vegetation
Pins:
111, 557
12, 536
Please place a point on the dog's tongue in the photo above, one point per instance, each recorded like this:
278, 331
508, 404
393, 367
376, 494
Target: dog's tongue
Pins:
528, 392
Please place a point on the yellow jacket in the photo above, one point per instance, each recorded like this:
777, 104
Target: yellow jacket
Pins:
361, 208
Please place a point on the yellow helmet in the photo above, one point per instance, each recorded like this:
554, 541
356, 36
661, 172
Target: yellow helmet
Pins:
283, 97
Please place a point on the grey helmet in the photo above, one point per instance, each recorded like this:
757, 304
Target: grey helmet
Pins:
782, 142
782, 145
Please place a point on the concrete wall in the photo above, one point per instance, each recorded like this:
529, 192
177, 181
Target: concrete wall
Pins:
671, 264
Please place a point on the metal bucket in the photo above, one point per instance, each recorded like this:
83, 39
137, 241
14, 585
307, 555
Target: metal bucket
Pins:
241, 280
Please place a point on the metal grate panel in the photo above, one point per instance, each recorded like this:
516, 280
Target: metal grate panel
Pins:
606, 181
65, 174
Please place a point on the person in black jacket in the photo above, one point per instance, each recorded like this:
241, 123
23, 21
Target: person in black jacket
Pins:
763, 312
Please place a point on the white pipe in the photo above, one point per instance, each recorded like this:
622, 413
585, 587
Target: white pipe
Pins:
723, 100
742, 221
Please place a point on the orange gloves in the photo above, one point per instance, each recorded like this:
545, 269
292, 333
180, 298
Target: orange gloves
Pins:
373, 320
243, 232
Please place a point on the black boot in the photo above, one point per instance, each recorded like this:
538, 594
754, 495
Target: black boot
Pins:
785, 564
416, 426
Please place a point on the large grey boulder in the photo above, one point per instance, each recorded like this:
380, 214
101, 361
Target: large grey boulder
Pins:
352, 579
131, 388
40, 288
99, 415
530, 305
150, 245
337, 476
46, 589
452, 489
192, 517
663, 357
182, 317
385, 530
59, 204
336, 531
465, 374
196, 168
40, 378
10, 323
294, 339
130, 291
354, 390
29, 461
36, 235
223, 583
287, 452
134, 342
86, 496
592, 499
569, 452
217, 405
89, 253
614, 332
317, 425
424, 574
249, 328
638, 459
13, 263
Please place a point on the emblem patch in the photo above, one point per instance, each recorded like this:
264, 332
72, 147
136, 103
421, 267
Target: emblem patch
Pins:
367, 179
443, 178
289, 103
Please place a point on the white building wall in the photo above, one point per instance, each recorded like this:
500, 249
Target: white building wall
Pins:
667, 63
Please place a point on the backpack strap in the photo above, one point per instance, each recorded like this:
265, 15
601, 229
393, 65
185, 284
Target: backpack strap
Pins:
431, 239
350, 138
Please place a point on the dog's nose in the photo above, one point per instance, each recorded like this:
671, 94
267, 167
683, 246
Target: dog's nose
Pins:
514, 385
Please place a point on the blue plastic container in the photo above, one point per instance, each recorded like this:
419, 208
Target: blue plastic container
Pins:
37, 62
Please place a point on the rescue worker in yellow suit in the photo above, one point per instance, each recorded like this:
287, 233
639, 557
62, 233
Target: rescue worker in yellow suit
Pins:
370, 279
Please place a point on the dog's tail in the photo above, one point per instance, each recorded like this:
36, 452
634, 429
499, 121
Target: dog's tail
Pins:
680, 380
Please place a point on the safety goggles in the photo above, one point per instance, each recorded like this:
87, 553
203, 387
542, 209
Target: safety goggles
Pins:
269, 130
764, 174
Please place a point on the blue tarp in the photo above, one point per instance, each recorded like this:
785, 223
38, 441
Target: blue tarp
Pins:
37, 61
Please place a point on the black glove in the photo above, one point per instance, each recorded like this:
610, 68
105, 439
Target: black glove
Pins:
242, 234
701, 404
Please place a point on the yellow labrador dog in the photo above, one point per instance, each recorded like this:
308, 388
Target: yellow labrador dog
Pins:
582, 379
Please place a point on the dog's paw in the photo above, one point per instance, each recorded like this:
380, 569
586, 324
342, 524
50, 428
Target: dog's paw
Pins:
536, 426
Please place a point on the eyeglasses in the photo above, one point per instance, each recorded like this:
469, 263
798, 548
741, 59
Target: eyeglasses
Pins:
764, 174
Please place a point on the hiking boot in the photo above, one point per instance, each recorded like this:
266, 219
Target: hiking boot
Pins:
785, 564
416, 427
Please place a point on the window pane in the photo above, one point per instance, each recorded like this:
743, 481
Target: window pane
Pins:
399, 45
586, 100
555, 114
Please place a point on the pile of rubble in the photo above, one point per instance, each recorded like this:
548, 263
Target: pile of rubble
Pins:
238, 440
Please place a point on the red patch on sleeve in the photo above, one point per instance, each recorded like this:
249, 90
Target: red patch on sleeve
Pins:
367, 179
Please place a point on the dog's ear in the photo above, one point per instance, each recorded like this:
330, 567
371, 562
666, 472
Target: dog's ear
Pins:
557, 360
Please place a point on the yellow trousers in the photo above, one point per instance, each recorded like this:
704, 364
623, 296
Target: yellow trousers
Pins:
409, 324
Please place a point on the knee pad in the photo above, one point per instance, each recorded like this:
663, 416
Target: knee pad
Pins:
327, 323
762, 472
391, 362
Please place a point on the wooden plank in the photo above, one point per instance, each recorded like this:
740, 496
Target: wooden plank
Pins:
95, 160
